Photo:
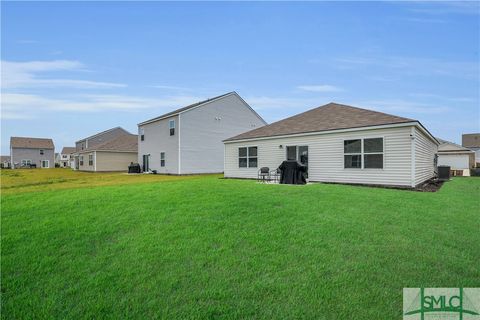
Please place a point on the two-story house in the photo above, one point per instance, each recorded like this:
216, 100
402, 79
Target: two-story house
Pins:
189, 140
110, 150
67, 157
28, 152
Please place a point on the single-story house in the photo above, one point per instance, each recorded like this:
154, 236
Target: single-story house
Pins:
472, 142
110, 150
26, 152
339, 144
67, 157
189, 140
455, 156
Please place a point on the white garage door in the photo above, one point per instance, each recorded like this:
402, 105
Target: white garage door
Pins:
455, 161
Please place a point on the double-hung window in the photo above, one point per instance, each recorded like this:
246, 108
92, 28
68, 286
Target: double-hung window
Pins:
42, 152
81, 160
171, 125
363, 153
247, 157
162, 159
90, 159
141, 132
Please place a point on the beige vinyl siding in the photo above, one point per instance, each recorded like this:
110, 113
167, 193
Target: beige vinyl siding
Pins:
86, 166
114, 161
425, 150
326, 157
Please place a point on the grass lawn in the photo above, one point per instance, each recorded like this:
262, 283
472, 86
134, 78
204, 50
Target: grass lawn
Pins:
28, 180
208, 248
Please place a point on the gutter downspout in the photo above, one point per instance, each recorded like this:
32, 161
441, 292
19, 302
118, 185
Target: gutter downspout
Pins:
412, 138
179, 147
95, 160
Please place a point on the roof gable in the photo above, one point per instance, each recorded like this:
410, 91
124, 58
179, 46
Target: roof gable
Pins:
31, 143
332, 116
199, 104
68, 150
119, 129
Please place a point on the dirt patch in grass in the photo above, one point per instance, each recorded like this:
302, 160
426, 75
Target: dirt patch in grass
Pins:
430, 186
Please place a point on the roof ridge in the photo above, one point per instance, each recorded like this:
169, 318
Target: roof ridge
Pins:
187, 107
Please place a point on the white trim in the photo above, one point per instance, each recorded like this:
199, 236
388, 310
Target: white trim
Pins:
179, 147
41, 164
386, 126
100, 150
412, 174
95, 160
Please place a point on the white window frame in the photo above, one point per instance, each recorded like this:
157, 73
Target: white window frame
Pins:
90, 159
25, 162
170, 127
363, 153
246, 157
162, 159
80, 160
41, 164
42, 152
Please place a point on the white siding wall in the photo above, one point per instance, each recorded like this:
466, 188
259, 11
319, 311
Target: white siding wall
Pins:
158, 139
204, 129
425, 150
455, 161
326, 158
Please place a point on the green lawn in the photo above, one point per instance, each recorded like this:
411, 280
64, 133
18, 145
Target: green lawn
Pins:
211, 248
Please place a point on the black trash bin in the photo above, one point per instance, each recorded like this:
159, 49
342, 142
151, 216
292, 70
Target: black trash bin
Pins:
443, 173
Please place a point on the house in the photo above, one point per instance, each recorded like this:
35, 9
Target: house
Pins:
472, 142
5, 161
455, 156
339, 144
67, 157
32, 152
189, 140
57, 159
110, 150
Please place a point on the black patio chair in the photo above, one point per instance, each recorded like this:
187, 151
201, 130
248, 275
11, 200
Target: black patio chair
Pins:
275, 175
263, 174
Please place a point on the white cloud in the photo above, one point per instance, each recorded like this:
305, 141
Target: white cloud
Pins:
26, 75
320, 88
170, 87
27, 106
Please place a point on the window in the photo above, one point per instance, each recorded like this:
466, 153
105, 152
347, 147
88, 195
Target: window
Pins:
141, 132
41, 151
26, 162
162, 159
81, 160
373, 153
352, 150
363, 153
247, 157
171, 125
90, 159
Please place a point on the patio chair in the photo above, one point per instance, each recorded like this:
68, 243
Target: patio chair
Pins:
275, 175
263, 174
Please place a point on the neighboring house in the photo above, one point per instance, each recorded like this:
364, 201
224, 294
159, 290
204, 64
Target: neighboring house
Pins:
455, 156
67, 157
340, 144
189, 140
27, 152
110, 150
5, 161
57, 159
472, 142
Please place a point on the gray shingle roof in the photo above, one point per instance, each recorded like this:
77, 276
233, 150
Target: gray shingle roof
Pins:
126, 143
332, 116
68, 150
31, 143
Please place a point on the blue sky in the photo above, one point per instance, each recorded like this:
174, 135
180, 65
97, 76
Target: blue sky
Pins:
70, 70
